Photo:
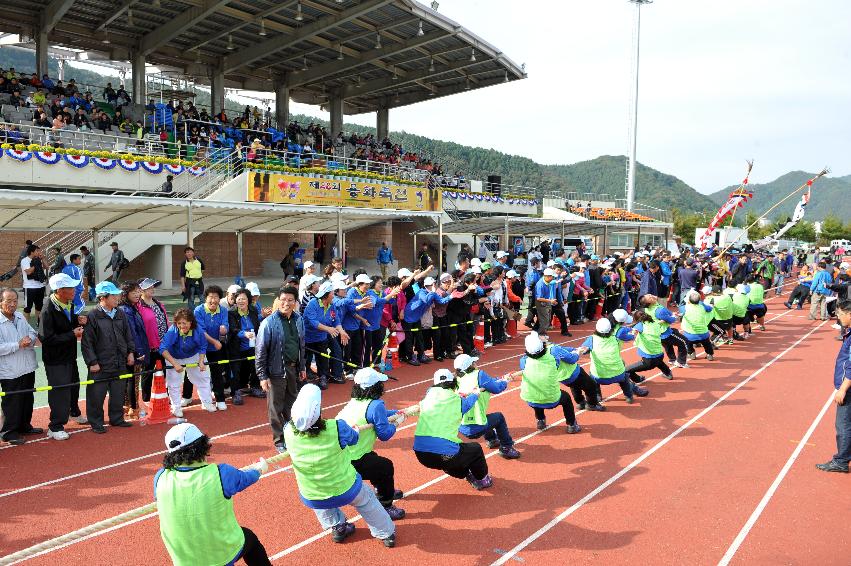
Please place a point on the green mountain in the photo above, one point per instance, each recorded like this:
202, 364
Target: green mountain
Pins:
603, 177
830, 195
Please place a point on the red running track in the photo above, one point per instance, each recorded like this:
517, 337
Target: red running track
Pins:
703, 468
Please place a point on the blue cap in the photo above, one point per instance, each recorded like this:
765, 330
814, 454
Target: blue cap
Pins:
106, 288
595, 258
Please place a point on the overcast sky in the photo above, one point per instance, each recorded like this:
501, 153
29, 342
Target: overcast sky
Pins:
721, 82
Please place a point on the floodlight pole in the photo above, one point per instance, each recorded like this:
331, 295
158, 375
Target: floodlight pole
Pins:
633, 126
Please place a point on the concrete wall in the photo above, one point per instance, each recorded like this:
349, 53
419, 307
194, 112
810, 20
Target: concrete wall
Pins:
65, 175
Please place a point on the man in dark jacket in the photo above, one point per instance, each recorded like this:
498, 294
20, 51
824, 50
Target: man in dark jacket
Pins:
58, 331
280, 361
107, 350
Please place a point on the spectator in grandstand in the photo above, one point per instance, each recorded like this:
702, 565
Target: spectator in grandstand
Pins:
42, 121
107, 348
16, 100
36, 99
384, 259
109, 94
168, 187
34, 278
47, 83
17, 370
117, 262
102, 122
81, 120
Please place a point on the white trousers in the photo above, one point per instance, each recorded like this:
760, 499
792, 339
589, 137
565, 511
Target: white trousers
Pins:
201, 380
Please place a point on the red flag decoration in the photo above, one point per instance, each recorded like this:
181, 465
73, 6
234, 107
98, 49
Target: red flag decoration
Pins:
737, 199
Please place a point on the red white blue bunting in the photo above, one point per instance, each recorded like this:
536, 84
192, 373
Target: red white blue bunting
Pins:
197, 170
105, 163
152, 167
174, 169
48, 157
19, 155
129, 165
78, 161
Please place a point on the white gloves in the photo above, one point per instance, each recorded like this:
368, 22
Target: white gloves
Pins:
261, 466
399, 418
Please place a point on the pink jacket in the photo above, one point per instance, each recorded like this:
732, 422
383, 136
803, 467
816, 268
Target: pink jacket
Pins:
149, 319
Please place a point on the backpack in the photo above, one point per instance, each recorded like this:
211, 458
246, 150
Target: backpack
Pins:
124, 263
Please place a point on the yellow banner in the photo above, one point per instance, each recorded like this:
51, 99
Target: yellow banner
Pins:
324, 191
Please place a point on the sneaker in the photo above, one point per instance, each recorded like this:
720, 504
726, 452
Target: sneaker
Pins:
483, 483
639, 379
836, 326
99, 429
630, 400
323, 383
209, 407
573, 428
57, 434
597, 407
493, 443
710, 357
412, 362
177, 412
692, 356
237, 399
80, 419
398, 494
738, 337
15, 440
640, 391
121, 424
669, 376
390, 541
424, 359
221, 406
280, 448
341, 532
787, 305
833, 466
509, 453
729, 341
542, 424
395, 513
488, 344
762, 327
338, 380
257, 392
185, 402
475, 353
679, 365
581, 406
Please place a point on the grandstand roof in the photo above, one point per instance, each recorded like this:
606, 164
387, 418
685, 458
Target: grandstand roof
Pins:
317, 47
43, 210
526, 226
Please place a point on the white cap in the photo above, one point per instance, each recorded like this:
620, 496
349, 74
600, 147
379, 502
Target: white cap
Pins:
549, 272
63, 281
233, 289
324, 289
622, 316
339, 285
463, 362
476, 262
405, 272
844, 265
476, 269
603, 326
740, 287
367, 377
362, 278
307, 264
730, 290
253, 288
443, 376
182, 435
148, 282
445, 276
428, 282
309, 280
551, 263
706, 289
533, 343
511, 273
501, 254
338, 276
306, 408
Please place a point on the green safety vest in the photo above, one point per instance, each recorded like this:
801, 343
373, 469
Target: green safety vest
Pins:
540, 383
197, 523
606, 358
757, 294
354, 413
649, 339
652, 312
478, 415
723, 306
696, 320
322, 469
440, 415
740, 304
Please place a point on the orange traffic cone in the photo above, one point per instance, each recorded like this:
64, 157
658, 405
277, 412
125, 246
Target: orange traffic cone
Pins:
511, 328
160, 408
479, 338
555, 324
598, 312
393, 347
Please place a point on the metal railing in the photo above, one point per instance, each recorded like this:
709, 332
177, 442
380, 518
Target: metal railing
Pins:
219, 170
71, 137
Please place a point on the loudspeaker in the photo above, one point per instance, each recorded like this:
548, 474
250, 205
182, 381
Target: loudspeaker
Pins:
495, 185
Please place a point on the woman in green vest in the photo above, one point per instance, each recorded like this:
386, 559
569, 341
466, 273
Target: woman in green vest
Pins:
436, 442
756, 308
722, 323
195, 504
695, 323
324, 473
648, 343
477, 421
366, 407
544, 368
741, 301
607, 366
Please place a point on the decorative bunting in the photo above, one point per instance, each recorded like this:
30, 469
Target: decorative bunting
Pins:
105, 163
174, 169
78, 161
197, 170
129, 165
19, 155
48, 157
152, 167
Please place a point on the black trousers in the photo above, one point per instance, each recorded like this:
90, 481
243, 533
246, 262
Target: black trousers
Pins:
253, 552
566, 407
678, 341
470, 459
585, 389
461, 334
64, 402
96, 394
280, 398
378, 470
17, 408
243, 372
353, 351
646, 364
374, 345
220, 376
413, 340
322, 363
707, 345
800, 294
591, 304
147, 379
558, 311
441, 336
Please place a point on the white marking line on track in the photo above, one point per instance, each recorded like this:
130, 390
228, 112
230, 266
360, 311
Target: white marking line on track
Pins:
746, 529
632, 465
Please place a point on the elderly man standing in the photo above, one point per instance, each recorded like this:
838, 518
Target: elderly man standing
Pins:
17, 369
59, 331
280, 361
107, 350
842, 384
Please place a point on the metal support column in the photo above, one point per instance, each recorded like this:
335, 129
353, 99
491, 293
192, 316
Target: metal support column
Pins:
94, 250
415, 250
239, 252
562, 236
217, 91
605, 247
666, 238
335, 107
506, 243
339, 233
282, 105
382, 123
638, 237
41, 58
439, 244
137, 62
190, 237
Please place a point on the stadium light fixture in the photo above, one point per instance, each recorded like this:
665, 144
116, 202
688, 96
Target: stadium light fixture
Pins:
435, 5
230, 42
378, 40
304, 64
431, 65
467, 85
472, 55
105, 39
396, 100
395, 75
340, 54
298, 15
420, 31
262, 31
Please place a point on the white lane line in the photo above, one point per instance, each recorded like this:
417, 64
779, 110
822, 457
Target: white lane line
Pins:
746, 529
632, 465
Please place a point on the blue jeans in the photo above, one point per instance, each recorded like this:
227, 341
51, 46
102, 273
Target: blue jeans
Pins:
779, 279
843, 431
376, 517
496, 428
